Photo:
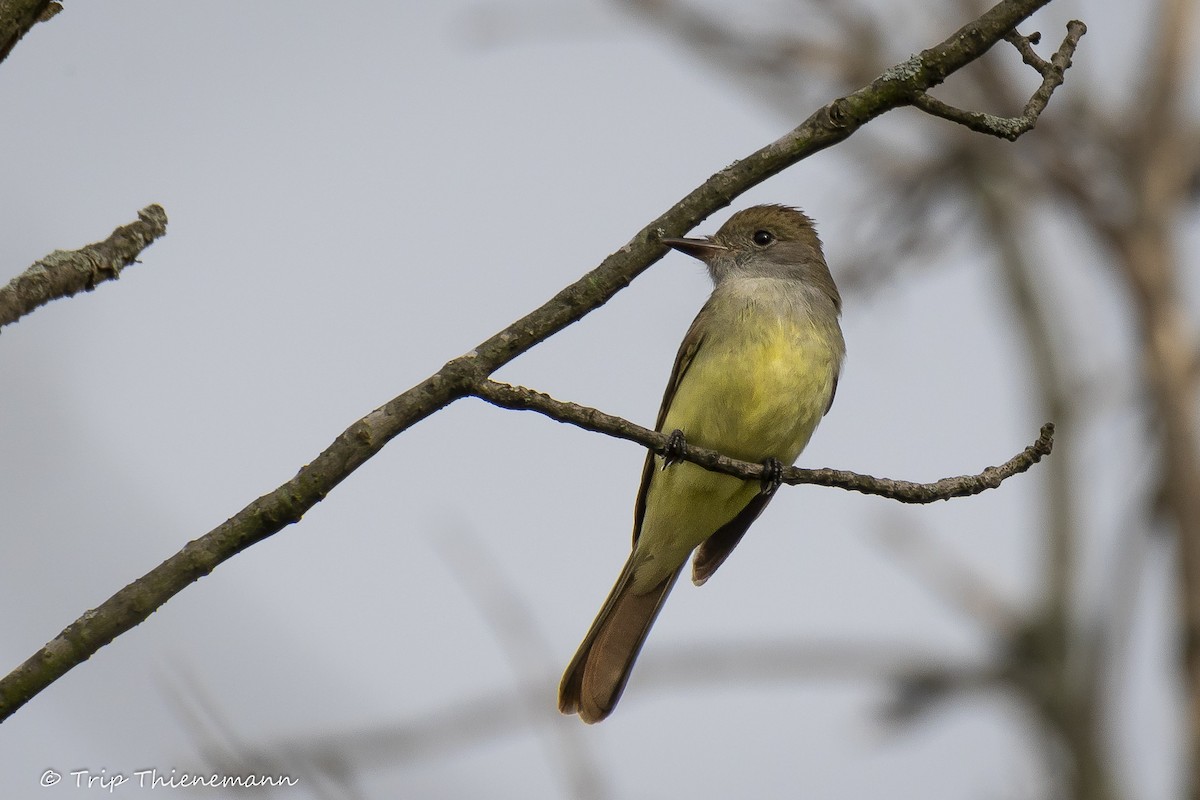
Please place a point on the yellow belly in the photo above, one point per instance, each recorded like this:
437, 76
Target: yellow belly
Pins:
758, 396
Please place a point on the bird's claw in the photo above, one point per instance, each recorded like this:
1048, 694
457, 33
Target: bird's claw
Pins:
673, 452
772, 477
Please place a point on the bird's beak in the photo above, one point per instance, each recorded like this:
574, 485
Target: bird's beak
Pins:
703, 249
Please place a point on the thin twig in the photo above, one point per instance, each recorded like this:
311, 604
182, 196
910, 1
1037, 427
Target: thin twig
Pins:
520, 398
1024, 45
1012, 128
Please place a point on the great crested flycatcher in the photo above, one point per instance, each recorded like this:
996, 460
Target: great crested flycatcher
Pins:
753, 377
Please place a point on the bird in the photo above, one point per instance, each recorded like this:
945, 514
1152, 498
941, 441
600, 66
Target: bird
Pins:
756, 372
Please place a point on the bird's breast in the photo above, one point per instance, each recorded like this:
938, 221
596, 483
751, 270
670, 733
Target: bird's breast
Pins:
758, 388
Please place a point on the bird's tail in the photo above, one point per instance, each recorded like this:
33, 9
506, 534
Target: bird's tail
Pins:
597, 674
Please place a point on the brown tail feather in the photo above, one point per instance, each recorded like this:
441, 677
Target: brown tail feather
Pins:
597, 674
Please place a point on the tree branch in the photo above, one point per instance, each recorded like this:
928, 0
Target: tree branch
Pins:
18, 16
272, 512
1012, 128
521, 399
64, 273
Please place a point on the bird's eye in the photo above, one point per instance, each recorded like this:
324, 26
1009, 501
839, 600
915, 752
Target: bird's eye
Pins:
763, 238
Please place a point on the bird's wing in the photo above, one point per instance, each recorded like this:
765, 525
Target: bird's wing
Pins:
833, 392
713, 551
691, 345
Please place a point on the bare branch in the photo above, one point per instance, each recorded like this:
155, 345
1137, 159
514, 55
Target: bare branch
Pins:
1024, 45
1012, 128
522, 399
64, 273
979, 121
18, 16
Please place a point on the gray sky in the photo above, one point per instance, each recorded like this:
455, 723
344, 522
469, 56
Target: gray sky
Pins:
356, 198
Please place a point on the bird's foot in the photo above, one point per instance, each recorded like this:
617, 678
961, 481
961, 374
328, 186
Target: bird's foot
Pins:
772, 477
673, 452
